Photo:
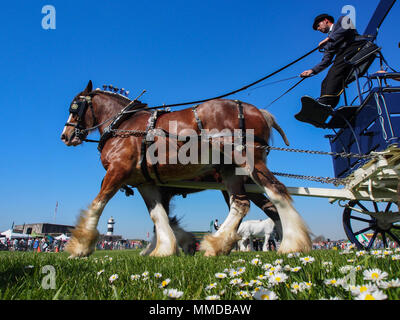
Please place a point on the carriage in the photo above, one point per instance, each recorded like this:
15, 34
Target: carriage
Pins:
365, 148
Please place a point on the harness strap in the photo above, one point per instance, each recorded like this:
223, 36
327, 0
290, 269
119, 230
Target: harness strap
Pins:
241, 123
145, 143
196, 116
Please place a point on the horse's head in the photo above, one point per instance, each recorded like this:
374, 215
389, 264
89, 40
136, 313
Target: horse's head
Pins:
79, 119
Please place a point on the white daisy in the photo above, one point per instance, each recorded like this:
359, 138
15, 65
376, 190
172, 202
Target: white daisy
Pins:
244, 294
332, 282
266, 266
361, 253
211, 286
363, 289
157, 275
173, 293
135, 276
220, 275
295, 287
113, 278
145, 274
236, 281
375, 275
100, 272
376, 295
241, 270
396, 257
295, 269
233, 273
306, 260
261, 277
265, 295
277, 278
214, 297
256, 262
164, 283
278, 261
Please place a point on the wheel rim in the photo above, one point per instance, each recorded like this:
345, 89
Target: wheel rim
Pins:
356, 223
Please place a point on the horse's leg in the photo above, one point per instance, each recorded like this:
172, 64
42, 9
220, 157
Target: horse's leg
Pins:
224, 239
85, 234
296, 236
251, 244
165, 202
166, 242
261, 201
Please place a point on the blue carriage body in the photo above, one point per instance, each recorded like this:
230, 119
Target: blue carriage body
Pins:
374, 126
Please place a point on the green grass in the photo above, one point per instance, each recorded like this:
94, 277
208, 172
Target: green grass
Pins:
21, 275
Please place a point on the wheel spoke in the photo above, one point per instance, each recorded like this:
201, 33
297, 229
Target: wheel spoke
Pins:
396, 227
372, 240
376, 207
388, 206
394, 237
361, 219
384, 239
361, 206
362, 231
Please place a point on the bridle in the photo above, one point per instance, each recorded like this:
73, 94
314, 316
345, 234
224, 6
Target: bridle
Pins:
78, 108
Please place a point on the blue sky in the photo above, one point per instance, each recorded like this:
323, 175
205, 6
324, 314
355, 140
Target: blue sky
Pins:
176, 50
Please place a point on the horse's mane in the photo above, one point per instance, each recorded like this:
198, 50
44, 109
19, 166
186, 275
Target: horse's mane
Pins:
121, 98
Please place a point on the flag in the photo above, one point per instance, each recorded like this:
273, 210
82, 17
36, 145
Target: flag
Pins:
12, 227
211, 225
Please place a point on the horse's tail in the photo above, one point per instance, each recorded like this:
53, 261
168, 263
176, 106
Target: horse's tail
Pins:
186, 240
273, 124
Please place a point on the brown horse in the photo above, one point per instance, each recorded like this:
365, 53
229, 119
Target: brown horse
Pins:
122, 154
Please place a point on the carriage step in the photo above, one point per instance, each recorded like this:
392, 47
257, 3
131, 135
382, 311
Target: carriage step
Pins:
315, 113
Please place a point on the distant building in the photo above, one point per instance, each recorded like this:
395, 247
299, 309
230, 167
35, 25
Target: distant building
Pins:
43, 229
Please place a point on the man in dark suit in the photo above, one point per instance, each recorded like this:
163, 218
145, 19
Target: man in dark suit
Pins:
342, 43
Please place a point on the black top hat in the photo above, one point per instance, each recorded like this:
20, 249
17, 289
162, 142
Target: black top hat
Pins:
320, 18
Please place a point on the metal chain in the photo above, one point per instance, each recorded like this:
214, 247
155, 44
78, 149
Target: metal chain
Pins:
336, 154
327, 180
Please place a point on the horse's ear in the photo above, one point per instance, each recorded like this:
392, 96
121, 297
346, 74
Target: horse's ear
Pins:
89, 87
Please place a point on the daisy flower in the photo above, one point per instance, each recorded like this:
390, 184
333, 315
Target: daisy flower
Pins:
295, 287
376, 295
265, 295
266, 266
31, 267
214, 297
278, 261
374, 275
100, 272
256, 262
211, 286
346, 269
295, 269
361, 253
396, 257
241, 270
306, 285
331, 282
376, 252
145, 274
233, 273
306, 260
244, 294
220, 275
157, 275
173, 293
113, 278
239, 261
236, 281
388, 284
277, 278
261, 277
363, 289
164, 283
135, 276
275, 268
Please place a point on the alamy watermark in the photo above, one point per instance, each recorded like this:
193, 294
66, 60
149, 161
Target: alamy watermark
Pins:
349, 21
49, 20
49, 280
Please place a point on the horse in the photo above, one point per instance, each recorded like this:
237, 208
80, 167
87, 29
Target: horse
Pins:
255, 228
186, 239
127, 163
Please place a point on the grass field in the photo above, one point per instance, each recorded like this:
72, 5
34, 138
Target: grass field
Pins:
125, 275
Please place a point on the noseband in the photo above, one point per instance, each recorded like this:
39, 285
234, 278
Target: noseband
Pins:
79, 108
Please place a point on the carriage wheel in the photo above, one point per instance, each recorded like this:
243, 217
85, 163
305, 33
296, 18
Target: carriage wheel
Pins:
356, 223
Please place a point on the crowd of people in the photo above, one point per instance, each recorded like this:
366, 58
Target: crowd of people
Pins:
44, 244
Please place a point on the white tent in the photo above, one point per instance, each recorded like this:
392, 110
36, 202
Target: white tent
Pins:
9, 234
62, 237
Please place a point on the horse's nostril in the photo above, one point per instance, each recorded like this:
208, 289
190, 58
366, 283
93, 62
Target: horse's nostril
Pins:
63, 137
